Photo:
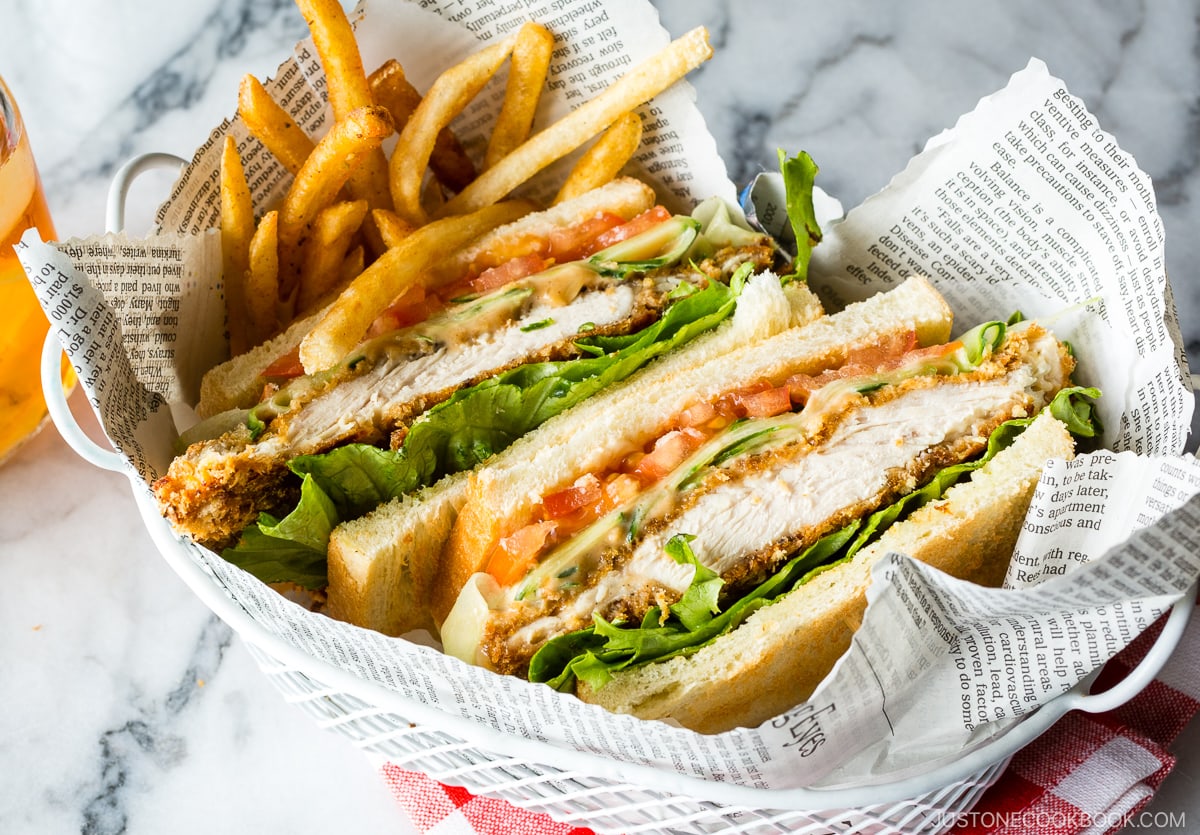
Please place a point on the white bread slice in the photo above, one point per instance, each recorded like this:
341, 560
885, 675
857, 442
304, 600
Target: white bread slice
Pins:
238, 382
506, 490
381, 566
625, 197
776, 659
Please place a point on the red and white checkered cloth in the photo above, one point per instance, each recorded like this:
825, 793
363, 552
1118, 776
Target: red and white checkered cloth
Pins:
1089, 774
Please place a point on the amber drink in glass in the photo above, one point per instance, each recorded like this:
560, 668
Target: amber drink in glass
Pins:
22, 324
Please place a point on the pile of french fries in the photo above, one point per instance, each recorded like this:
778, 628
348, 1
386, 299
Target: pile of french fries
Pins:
357, 230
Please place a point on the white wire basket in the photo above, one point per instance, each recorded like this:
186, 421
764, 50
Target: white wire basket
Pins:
578, 787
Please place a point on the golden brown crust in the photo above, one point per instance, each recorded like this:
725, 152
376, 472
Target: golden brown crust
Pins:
216, 518
475, 533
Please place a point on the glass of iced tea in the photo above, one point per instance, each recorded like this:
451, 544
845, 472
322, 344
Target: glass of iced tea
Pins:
22, 324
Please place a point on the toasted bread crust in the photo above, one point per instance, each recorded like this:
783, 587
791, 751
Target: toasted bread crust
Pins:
382, 565
475, 532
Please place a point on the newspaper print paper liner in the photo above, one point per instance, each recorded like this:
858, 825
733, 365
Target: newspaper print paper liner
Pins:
761, 757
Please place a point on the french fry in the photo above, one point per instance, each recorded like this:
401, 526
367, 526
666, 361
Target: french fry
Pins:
448, 161
347, 90
447, 97
345, 80
433, 197
352, 265
349, 316
526, 77
391, 226
272, 125
262, 280
639, 85
601, 162
333, 233
319, 180
276, 129
370, 181
237, 228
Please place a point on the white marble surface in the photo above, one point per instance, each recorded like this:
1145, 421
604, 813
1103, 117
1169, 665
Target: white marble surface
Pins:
128, 707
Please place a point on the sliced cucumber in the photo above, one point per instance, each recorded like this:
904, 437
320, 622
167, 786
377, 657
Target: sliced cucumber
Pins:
579, 553
658, 247
498, 303
212, 427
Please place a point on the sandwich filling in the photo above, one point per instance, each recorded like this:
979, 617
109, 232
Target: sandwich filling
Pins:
749, 495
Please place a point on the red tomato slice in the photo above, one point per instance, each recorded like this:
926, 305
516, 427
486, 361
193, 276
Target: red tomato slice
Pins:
876, 359
573, 242
878, 356
730, 407
618, 489
517, 553
508, 272
801, 387
697, 415
286, 367
413, 314
931, 351
409, 308
586, 490
768, 403
668, 453
646, 220
496, 267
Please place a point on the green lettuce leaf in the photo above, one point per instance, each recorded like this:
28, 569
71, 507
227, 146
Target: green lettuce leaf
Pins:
799, 175
699, 602
604, 648
360, 477
291, 549
1073, 407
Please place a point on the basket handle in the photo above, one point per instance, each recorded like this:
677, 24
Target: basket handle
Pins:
56, 404
118, 189
1146, 670
52, 388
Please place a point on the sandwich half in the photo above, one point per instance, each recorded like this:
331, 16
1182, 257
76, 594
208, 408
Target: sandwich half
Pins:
797, 454
534, 293
238, 383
